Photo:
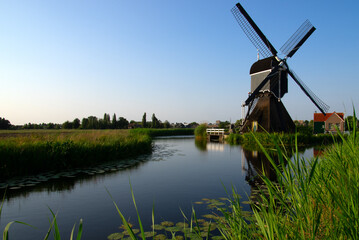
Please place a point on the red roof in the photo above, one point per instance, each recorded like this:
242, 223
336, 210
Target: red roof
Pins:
320, 117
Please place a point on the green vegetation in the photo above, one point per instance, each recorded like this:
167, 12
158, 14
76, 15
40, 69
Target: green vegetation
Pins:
311, 199
31, 152
4, 123
26, 152
162, 132
200, 131
249, 140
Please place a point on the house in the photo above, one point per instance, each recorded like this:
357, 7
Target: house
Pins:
328, 123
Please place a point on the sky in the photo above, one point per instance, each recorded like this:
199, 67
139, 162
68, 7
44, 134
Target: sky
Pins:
183, 60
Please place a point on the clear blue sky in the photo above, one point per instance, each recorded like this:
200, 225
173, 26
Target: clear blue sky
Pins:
182, 60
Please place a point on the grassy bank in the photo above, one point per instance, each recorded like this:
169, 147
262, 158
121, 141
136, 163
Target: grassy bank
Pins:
163, 132
311, 199
31, 152
248, 140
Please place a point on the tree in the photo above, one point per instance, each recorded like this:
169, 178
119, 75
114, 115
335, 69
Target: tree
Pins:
4, 123
122, 123
114, 121
85, 123
144, 121
93, 122
349, 123
166, 124
224, 124
76, 123
155, 123
67, 125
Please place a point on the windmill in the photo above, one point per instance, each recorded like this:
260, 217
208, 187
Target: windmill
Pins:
269, 78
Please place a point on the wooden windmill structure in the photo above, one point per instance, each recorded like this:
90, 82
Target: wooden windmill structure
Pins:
269, 78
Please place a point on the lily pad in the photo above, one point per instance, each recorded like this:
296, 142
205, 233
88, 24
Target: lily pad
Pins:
160, 237
124, 227
147, 234
135, 231
182, 225
172, 229
167, 224
201, 220
158, 227
199, 202
115, 236
210, 216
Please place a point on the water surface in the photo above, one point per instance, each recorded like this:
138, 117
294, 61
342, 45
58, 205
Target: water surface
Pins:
177, 174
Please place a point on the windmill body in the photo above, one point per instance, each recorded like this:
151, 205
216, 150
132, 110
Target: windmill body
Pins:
260, 70
269, 78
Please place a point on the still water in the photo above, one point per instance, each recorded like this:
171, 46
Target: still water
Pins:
174, 177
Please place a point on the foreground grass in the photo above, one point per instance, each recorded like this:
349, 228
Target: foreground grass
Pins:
311, 199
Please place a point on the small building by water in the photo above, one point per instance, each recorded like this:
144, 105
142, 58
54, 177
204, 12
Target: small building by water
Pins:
328, 123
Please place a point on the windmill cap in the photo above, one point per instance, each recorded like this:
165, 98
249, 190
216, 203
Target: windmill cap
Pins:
263, 65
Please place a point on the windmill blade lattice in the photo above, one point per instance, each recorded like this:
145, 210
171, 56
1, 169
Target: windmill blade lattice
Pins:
323, 107
297, 39
253, 33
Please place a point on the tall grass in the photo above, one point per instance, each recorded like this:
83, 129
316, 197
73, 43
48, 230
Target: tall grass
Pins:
249, 140
311, 199
152, 132
200, 131
36, 152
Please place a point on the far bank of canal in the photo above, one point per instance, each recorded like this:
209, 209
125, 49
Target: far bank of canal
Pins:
177, 175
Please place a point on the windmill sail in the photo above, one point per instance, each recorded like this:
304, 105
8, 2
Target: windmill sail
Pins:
297, 39
316, 100
252, 31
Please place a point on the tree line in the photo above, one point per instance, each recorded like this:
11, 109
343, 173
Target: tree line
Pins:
92, 122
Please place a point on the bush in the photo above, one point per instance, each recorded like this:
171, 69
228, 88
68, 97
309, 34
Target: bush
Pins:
200, 131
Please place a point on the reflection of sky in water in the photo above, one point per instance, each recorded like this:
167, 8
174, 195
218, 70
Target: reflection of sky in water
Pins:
177, 174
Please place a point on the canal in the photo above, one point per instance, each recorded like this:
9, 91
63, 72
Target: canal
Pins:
174, 178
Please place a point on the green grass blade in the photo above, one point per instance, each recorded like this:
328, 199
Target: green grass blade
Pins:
138, 214
57, 231
79, 233
7, 227
128, 228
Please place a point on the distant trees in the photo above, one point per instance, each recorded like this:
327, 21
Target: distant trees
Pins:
92, 122
349, 123
114, 121
155, 122
4, 123
144, 121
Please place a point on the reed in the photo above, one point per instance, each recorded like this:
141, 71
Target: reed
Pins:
152, 132
311, 198
249, 140
35, 152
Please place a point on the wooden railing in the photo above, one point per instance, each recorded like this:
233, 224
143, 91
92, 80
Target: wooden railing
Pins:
215, 131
